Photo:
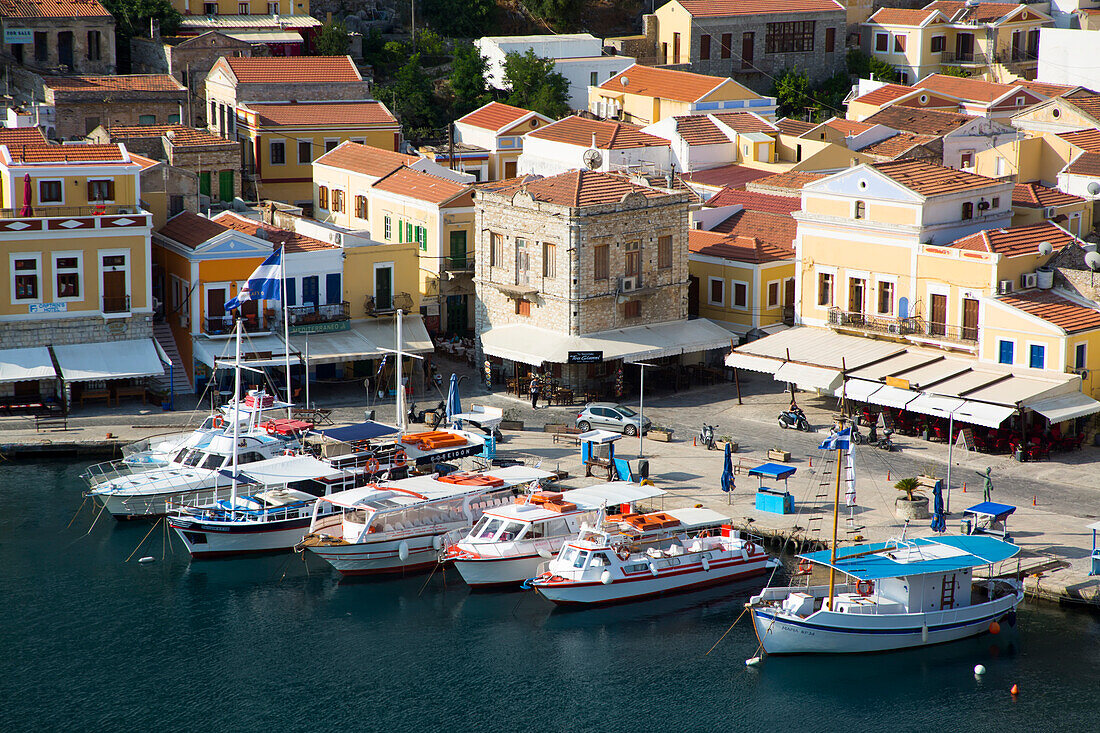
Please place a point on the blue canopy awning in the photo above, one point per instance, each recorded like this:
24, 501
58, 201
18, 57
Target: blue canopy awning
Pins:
360, 431
991, 509
922, 556
773, 470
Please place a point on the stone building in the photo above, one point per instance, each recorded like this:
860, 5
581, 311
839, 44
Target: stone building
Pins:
584, 261
83, 103
59, 36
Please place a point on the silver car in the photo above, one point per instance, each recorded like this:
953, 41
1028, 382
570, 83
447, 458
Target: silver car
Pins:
611, 416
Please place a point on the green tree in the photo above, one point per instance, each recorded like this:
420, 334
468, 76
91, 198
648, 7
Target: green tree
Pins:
535, 85
333, 39
829, 96
558, 12
429, 44
410, 93
462, 18
864, 66
133, 16
791, 92
468, 79
908, 486
954, 71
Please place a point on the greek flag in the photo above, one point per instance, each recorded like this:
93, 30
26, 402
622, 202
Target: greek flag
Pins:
263, 284
837, 441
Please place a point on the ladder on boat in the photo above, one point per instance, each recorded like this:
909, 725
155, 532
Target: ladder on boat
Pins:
947, 592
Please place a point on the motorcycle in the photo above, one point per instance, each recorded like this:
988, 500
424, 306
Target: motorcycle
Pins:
794, 418
437, 415
886, 442
706, 436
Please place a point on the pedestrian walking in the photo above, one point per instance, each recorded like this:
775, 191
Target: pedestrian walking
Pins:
534, 393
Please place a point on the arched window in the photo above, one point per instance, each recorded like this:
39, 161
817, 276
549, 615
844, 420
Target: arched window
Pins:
861, 209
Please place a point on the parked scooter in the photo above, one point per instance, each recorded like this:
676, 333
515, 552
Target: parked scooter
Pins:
433, 417
794, 418
885, 442
706, 436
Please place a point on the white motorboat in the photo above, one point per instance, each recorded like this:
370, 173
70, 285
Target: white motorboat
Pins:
384, 453
637, 556
508, 543
398, 526
270, 510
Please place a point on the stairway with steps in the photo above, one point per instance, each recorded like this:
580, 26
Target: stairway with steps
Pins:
180, 384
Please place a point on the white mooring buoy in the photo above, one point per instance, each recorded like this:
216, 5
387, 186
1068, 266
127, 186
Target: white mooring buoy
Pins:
753, 661
146, 559
979, 669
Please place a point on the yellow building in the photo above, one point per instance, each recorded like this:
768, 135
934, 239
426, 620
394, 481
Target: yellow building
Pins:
643, 95
241, 7
1033, 203
740, 282
281, 141
995, 40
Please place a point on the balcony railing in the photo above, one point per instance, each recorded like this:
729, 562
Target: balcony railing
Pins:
45, 210
116, 303
459, 264
1019, 56
911, 326
964, 59
222, 326
300, 315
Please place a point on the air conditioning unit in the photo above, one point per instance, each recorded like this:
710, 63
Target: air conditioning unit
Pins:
1028, 280
1004, 287
1048, 212
628, 284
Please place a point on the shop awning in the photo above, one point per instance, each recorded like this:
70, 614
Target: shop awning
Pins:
20, 365
858, 389
337, 346
108, 360
966, 411
266, 36
383, 334
738, 360
1065, 407
888, 396
207, 350
809, 377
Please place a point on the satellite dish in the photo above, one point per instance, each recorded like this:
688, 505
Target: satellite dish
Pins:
1045, 248
1093, 188
624, 80
1092, 259
592, 159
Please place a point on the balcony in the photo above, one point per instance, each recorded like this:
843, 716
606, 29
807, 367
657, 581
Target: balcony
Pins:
319, 317
914, 327
116, 304
458, 265
45, 210
1017, 58
222, 326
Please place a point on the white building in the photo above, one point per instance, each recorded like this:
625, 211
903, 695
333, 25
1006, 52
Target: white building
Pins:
577, 56
1065, 57
577, 142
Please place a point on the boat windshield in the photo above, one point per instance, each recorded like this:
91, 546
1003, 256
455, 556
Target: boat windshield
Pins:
180, 456
193, 459
568, 554
582, 558
490, 529
510, 532
601, 559
479, 526
549, 528
213, 461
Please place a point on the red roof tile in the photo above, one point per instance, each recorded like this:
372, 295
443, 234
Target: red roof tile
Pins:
787, 126
74, 153
896, 145
124, 83
776, 229
1042, 88
420, 186
1085, 139
1085, 164
366, 159
792, 181
745, 122
293, 69
293, 241
727, 176
965, 12
21, 136
1070, 316
1034, 196
920, 121
52, 9
722, 8
583, 188
322, 114
931, 180
495, 116
736, 248
182, 135
884, 94
755, 201
847, 127
190, 229
1086, 101
901, 16
700, 130
969, 88
1016, 241
608, 135
650, 81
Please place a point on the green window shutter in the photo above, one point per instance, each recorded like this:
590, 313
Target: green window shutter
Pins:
400, 231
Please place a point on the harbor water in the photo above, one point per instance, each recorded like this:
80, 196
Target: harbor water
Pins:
91, 642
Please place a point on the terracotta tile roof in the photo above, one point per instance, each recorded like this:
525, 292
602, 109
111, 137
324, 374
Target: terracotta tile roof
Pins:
787, 126
901, 16
52, 9
1086, 101
1070, 316
884, 94
1016, 241
322, 114
790, 180
650, 81
293, 241
969, 88
420, 186
1085, 164
896, 145
494, 116
776, 229
847, 127
583, 188
76, 153
609, 135
727, 176
506, 183
1034, 195
931, 180
755, 201
293, 69
21, 136
722, 8
737, 248
981, 12
745, 122
920, 121
123, 83
142, 161
1085, 139
190, 229
182, 135
700, 130
365, 159
1043, 88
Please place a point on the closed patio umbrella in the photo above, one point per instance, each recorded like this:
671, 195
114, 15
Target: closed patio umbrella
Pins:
939, 517
27, 210
727, 474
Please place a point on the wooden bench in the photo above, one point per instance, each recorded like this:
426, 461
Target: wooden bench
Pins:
566, 434
95, 394
50, 422
121, 392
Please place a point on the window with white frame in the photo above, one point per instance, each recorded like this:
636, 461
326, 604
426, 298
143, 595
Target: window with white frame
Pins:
825, 284
101, 190
26, 273
1036, 356
1006, 351
388, 226
67, 275
51, 192
716, 291
773, 293
886, 298
740, 294
331, 143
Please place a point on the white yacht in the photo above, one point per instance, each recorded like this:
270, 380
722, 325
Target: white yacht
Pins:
509, 542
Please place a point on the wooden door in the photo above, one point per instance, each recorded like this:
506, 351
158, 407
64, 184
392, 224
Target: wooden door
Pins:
510, 169
693, 296
225, 185
970, 319
855, 294
964, 47
215, 309
748, 42
937, 325
114, 292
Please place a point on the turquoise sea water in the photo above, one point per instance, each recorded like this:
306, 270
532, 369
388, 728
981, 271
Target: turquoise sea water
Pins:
89, 642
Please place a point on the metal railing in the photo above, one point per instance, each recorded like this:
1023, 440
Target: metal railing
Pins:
116, 303
913, 325
459, 264
45, 211
1016, 56
318, 313
221, 326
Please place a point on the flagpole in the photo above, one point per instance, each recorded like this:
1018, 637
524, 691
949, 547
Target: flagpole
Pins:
286, 330
236, 418
836, 516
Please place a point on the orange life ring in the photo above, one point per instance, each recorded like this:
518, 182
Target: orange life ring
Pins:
372, 465
865, 587
750, 548
219, 421
623, 553
805, 567
400, 459
270, 429
289, 453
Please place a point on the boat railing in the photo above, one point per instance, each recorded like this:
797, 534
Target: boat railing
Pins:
515, 549
107, 471
145, 445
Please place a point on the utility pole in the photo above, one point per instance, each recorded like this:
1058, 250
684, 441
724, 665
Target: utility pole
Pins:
451, 145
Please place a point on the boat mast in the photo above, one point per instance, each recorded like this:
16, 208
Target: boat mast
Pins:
399, 389
836, 516
236, 418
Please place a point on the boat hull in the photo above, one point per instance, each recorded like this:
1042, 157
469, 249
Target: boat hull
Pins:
382, 557
495, 571
205, 540
825, 632
151, 505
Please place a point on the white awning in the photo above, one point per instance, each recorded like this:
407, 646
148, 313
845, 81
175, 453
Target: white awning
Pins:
207, 350
284, 469
266, 36
888, 396
937, 405
337, 346
737, 360
108, 360
809, 377
965, 411
1065, 407
20, 365
616, 492
858, 389
383, 334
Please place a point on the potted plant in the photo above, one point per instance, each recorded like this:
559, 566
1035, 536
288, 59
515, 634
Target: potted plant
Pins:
910, 506
511, 420
660, 434
725, 440
778, 454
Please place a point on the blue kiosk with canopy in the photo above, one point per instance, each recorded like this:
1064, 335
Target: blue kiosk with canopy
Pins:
774, 500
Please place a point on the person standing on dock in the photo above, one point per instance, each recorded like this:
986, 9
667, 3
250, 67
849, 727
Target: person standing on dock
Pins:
534, 392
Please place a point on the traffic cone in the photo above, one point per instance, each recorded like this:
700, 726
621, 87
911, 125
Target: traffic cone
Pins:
1033, 501
964, 487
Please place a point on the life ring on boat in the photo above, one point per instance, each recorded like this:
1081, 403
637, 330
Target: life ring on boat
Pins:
400, 459
270, 428
805, 567
750, 548
289, 453
623, 552
865, 587
372, 465
219, 421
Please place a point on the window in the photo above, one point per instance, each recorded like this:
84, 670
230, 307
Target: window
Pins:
421, 234
664, 251
67, 273
338, 200
242, 8
523, 307
496, 249
825, 288
968, 210
388, 226
704, 47
25, 271
899, 43
1079, 354
882, 42
886, 298
278, 152
101, 190
632, 309
273, 8
727, 45
740, 295
41, 45
594, 79
49, 192
601, 266
633, 259
94, 51
361, 207
1005, 349
794, 36
305, 151
967, 159
322, 199
333, 292
717, 294
830, 40
773, 294
1036, 356
209, 8
549, 260
331, 144
937, 44
861, 210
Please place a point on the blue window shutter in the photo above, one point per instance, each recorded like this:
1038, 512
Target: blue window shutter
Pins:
333, 293
1006, 355
291, 291
1038, 356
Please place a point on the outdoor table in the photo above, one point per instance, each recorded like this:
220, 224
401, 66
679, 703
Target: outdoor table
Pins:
989, 517
95, 394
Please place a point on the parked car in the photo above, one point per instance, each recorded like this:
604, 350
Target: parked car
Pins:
611, 416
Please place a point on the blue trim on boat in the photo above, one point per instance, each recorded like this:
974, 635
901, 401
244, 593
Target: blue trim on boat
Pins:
833, 629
